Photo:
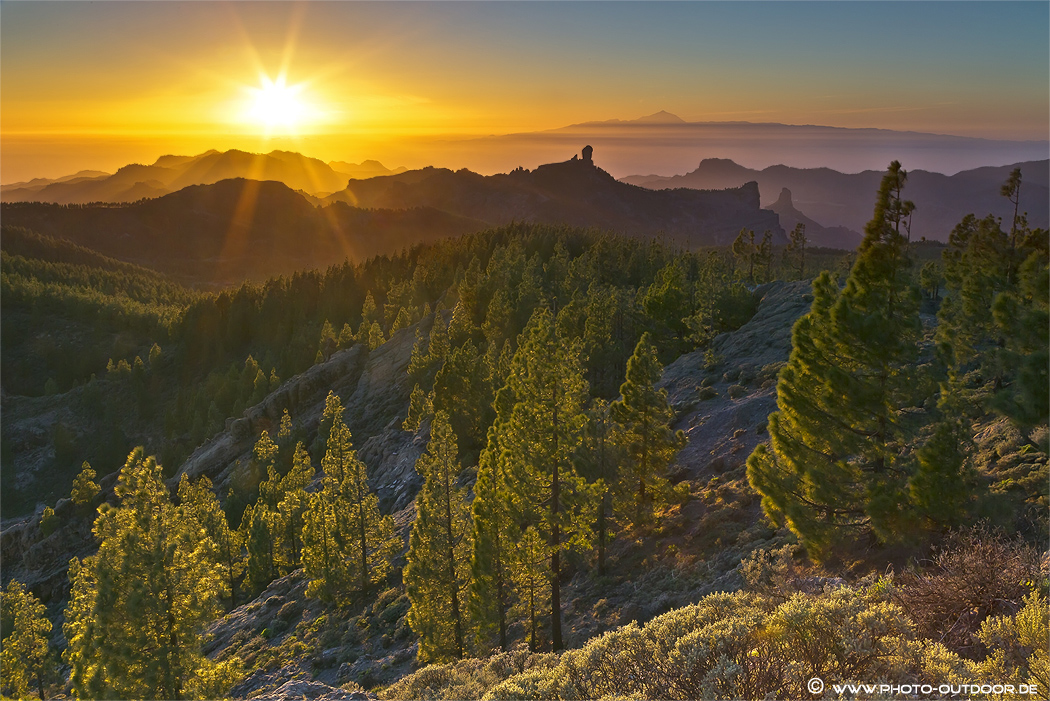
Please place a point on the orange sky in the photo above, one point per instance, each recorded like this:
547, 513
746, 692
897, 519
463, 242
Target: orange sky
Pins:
98, 85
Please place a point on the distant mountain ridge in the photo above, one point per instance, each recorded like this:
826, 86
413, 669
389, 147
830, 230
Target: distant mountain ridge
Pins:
845, 200
224, 232
665, 143
236, 229
816, 234
574, 192
170, 173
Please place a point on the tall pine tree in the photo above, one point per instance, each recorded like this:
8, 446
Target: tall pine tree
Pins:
347, 543
138, 607
835, 468
493, 536
438, 559
199, 501
25, 659
540, 448
646, 417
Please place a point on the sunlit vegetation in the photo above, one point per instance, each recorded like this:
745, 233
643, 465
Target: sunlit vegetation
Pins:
545, 444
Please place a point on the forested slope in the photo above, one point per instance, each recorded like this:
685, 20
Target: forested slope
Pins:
446, 473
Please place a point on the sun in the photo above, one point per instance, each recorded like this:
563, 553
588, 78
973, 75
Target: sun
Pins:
277, 108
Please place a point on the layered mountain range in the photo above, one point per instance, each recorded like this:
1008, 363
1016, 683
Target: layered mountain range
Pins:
171, 173
240, 228
844, 200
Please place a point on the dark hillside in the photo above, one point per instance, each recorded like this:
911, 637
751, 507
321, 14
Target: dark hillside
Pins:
235, 229
574, 192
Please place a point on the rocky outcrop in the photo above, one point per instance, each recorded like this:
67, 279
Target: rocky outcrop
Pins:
576, 193
40, 561
722, 428
839, 237
300, 395
374, 386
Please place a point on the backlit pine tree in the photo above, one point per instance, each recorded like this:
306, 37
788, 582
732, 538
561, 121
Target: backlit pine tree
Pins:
493, 536
836, 467
199, 501
438, 560
25, 659
540, 443
646, 417
136, 615
85, 489
347, 543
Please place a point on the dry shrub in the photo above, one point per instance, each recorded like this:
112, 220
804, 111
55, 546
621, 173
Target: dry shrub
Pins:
975, 574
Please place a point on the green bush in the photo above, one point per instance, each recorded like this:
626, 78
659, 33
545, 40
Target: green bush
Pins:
469, 678
737, 391
731, 646
708, 393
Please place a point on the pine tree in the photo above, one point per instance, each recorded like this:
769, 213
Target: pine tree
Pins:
529, 560
375, 336
84, 488
369, 311
646, 417
199, 501
139, 605
797, 248
332, 414
540, 445
836, 466
1011, 190
292, 509
943, 483
346, 336
461, 389
25, 658
667, 303
602, 461
764, 255
48, 522
1023, 319
976, 269
439, 546
420, 406
284, 432
327, 343
745, 251
402, 321
930, 280
347, 544
492, 536
258, 526
261, 524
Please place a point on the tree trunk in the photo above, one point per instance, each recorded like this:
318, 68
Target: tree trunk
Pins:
452, 579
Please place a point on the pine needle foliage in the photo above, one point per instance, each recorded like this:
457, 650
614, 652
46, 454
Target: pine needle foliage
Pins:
199, 502
493, 536
646, 417
540, 444
836, 466
85, 489
25, 660
347, 543
135, 619
439, 546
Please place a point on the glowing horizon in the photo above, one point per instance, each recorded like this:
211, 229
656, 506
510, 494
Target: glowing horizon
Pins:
101, 85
